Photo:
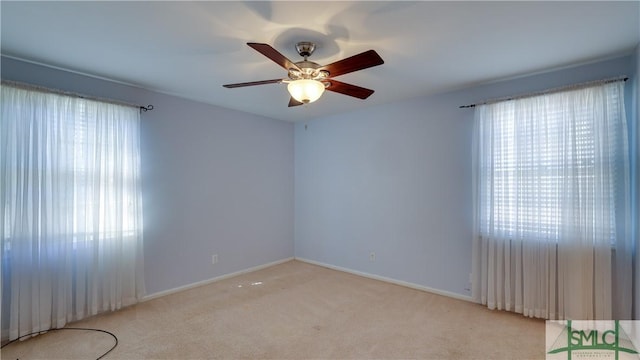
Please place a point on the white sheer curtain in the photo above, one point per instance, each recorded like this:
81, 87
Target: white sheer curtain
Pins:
70, 209
551, 200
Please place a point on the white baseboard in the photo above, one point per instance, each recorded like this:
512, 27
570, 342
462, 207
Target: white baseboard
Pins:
333, 267
210, 281
389, 280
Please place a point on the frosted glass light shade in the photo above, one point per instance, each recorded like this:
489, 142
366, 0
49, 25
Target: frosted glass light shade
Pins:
306, 91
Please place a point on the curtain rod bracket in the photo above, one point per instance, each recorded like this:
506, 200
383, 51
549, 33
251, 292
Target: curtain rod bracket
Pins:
147, 108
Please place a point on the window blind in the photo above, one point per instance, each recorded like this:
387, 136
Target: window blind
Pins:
534, 153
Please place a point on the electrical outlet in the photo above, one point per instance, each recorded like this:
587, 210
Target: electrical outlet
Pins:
372, 256
214, 259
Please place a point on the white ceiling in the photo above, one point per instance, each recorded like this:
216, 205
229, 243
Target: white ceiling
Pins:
190, 49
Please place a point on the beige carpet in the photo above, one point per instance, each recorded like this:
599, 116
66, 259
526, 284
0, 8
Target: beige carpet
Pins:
297, 311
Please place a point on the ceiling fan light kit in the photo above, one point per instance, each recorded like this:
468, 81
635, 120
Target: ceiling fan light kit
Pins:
308, 80
306, 90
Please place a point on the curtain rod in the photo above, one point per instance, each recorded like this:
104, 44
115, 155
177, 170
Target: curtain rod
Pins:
550, 91
73, 94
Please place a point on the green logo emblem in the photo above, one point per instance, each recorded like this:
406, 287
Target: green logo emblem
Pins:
612, 338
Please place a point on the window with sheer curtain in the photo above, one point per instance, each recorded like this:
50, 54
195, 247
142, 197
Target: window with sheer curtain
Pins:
551, 192
70, 209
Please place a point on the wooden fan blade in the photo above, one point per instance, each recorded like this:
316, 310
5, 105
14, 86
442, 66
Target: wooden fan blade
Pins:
273, 54
294, 102
252, 83
361, 61
348, 89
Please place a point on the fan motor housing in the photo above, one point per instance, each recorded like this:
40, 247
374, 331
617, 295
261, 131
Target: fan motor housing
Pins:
308, 70
306, 64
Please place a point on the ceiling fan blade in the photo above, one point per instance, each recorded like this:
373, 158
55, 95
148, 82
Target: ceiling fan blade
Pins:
252, 83
273, 54
348, 89
361, 61
294, 102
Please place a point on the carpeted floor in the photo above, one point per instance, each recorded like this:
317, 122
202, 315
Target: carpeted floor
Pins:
296, 310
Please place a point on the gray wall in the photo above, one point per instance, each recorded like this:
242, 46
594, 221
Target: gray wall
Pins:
635, 161
396, 180
214, 181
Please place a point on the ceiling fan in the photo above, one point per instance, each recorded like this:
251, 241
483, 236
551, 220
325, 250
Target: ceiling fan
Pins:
307, 80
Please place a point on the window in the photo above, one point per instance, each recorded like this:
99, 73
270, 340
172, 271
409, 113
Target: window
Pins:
539, 159
93, 205
551, 194
70, 206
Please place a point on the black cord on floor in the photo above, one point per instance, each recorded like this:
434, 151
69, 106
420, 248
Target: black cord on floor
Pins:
69, 328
